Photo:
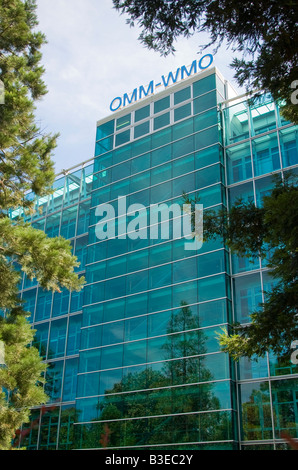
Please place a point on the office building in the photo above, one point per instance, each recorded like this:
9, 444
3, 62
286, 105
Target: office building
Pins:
134, 360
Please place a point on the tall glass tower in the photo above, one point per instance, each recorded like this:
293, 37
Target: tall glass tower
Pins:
134, 360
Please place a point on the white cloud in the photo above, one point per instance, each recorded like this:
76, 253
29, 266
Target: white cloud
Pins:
91, 57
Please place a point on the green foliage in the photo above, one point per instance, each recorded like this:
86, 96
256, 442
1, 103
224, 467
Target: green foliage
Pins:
270, 232
21, 379
25, 166
25, 154
49, 260
264, 31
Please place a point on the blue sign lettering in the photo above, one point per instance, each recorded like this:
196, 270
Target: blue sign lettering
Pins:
127, 100
166, 81
112, 107
210, 61
150, 90
193, 69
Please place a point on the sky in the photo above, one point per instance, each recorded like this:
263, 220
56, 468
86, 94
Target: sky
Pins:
92, 56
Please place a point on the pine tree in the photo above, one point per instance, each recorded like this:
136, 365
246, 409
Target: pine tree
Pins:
26, 166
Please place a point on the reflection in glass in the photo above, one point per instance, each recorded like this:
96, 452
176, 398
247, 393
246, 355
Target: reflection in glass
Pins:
160, 389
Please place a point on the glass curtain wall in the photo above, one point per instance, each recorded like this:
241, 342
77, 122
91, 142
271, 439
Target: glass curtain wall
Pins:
57, 318
134, 357
150, 372
259, 144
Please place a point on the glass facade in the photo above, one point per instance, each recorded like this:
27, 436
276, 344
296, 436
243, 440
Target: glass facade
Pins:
134, 356
258, 144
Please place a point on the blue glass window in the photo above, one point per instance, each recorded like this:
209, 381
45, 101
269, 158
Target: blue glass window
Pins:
212, 288
103, 146
266, 154
81, 252
43, 305
89, 361
89, 409
102, 178
206, 119
111, 357
122, 138
120, 171
142, 129
204, 85
186, 293
211, 263
208, 176
182, 95
56, 199
236, 123
135, 329
114, 310
60, 303
289, 146
183, 147
161, 155
105, 161
53, 225
76, 301
134, 353
255, 399
161, 121
53, 386
243, 191
212, 196
68, 222
136, 305
183, 165
208, 156
29, 297
93, 315
250, 369
88, 385
262, 117
87, 182
162, 137
73, 336
182, 112
141, 146
212, 313
66, 433
105, 130
206, 138
239, 163
70, 380
40, 341
248, 296
72, 189
161, 173
205, 102
141, 163
142, 113
122, 122
264, 187
162, 104
57, 339
182, 129
241, 265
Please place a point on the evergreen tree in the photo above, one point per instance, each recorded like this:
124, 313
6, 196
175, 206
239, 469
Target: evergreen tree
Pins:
25, 167
264, 31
